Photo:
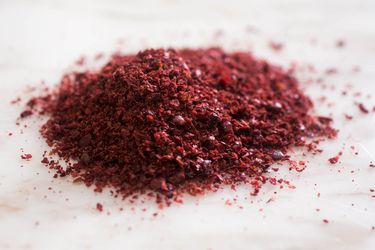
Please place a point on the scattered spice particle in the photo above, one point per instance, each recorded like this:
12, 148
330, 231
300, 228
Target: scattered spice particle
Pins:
301, 169
270, 200
335, 159
300, 163
26, 156
325, 221
99, 207
81, 61
228, 202
362, 108
45, 160
340, 43
348, 117
322, 99
276, 46
172, 121
331, 71
26, 113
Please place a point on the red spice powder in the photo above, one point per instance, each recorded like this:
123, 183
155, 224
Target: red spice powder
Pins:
26, 113
362, 108
348, 117
26, 156
334, 160
176, 121
99, 207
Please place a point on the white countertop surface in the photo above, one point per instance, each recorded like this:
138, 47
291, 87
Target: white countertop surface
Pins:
40, 40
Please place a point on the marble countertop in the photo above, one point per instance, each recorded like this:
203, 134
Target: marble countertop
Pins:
40, 40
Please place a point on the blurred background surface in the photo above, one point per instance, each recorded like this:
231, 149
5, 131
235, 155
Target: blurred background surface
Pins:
40, 40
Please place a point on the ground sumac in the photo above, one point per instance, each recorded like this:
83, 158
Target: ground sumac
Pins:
175, 121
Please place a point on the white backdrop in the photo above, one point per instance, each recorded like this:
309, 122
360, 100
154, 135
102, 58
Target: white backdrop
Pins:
40, 40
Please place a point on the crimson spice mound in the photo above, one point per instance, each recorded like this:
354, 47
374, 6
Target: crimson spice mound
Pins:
176, 121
